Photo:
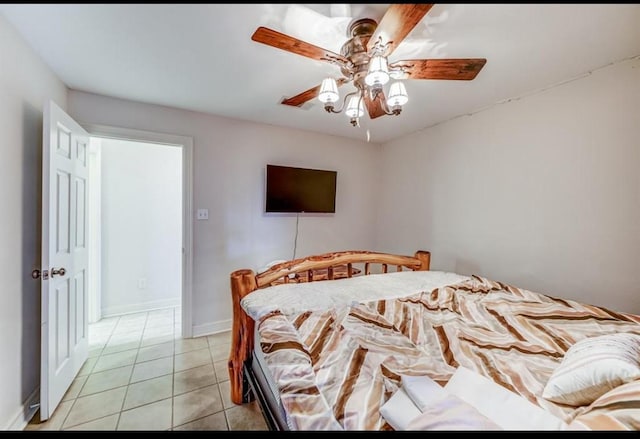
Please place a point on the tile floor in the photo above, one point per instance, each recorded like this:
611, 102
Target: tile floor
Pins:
142, 375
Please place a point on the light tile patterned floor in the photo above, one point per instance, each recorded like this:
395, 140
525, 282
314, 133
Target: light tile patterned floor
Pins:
142, 375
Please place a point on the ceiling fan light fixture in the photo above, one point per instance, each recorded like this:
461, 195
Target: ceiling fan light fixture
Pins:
396, 74
378, 73
397, 95
355, 108
328, 91
363, 63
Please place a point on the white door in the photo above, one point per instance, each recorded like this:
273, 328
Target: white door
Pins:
64, 345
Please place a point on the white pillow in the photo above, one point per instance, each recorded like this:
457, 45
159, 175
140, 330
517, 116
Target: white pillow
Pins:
592, 367
422, 390
507, 409
451, 413
399, 410
422, 404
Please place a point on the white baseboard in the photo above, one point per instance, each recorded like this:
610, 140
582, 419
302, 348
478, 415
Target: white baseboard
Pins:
26, 412
211, 328
140, 307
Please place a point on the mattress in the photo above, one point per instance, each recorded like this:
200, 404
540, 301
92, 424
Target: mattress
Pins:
266, 389
295, 298
335, 364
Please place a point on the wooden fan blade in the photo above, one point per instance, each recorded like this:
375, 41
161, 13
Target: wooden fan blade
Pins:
374, 106
307, 95
396, 24
461, 69
282, 41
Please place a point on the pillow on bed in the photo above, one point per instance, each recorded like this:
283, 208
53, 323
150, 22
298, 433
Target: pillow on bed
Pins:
450, 412
592, 367
507, 409
422, 404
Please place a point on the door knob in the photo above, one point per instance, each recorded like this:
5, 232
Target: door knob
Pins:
58, 271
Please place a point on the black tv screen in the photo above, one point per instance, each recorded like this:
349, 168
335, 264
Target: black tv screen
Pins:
291, 189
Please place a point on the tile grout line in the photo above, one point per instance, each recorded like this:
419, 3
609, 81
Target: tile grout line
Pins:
126, 392
205, 416
85, 382
224, 413
92, 420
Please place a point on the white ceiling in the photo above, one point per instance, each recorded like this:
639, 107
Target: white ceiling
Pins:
200, 56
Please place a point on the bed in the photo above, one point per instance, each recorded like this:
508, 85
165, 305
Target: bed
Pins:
327, 342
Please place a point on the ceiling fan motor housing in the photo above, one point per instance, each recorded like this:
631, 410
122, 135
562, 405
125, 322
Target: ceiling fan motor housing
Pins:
355, 49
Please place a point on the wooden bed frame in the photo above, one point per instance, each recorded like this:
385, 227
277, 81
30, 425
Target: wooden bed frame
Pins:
328, 266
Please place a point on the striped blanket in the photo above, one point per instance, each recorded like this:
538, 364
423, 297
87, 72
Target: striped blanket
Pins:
336, 367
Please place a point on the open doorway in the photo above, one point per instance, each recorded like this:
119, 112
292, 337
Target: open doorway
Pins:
139, 233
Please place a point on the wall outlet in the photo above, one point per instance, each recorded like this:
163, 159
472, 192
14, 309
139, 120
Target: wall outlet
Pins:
142, 283
203, 214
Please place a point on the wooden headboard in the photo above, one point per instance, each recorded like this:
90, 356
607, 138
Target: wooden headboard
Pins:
328, 266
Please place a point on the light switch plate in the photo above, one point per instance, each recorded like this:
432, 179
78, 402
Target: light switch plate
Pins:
203, 214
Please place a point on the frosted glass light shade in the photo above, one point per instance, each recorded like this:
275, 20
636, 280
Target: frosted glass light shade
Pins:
353, 109
378, 73
328, 91
397, 95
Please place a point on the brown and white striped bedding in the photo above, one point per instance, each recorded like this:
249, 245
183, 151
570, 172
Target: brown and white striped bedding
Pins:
336, 367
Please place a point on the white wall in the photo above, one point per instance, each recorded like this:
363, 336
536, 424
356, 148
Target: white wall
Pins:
541, 192
141, 203
229, 164
26, 83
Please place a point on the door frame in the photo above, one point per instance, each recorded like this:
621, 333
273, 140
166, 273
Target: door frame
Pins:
186, 144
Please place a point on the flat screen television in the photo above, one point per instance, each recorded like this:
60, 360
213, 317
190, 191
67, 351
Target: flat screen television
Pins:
300, 190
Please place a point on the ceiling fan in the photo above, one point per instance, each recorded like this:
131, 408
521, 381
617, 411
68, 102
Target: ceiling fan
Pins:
363, 60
